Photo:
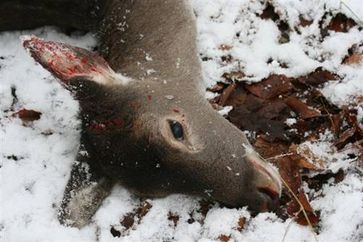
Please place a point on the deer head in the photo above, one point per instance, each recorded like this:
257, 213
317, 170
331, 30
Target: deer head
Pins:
156, 137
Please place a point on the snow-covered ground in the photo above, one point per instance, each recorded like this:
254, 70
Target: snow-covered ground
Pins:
35, 159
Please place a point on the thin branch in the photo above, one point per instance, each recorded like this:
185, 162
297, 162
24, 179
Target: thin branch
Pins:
302, 207
359, 20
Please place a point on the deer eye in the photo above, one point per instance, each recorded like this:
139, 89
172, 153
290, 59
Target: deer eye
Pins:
177, 130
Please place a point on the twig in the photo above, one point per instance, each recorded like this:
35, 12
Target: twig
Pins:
297, 200
329, 115
300, 204
287, 230
302, 207
279, 156
359, 21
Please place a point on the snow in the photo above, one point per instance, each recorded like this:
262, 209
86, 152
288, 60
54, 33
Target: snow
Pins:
342, 204
35, 165
257, 50
343, 92
225, 110
324, 150
290, 121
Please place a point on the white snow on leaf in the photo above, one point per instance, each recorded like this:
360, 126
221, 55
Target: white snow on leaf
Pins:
34, 167
225, 110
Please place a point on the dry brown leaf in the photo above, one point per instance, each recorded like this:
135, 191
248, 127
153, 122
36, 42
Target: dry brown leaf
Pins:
225, 47
226, 93
305, 158
129, 219
294, 209
115, 232
351, 117
304, 22
234, 76
252, 121
344, 137
204, 207
289, 171
224, 238
317, 77
217, 87
253, 103
237, 97
316, 182
268, 149
274, 109
269, 13
354, 59
271, 87
303, 110
336, 123
143, 210
174, 218
241, 224
341, 23
27, 115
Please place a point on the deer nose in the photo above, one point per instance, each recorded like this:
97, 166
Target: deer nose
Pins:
267, 179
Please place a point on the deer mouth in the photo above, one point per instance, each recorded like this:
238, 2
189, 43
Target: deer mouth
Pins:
272, 194
270, 199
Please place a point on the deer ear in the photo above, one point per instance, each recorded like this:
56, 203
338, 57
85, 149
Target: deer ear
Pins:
69, 63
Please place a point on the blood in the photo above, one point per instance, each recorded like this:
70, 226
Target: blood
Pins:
119, 122
65, 61
97, 126
93, 68
84, 60
107, 124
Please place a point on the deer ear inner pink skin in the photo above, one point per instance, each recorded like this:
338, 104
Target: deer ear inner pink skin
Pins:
67, 62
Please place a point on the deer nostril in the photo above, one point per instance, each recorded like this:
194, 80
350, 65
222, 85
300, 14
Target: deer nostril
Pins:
273, 195
267, 179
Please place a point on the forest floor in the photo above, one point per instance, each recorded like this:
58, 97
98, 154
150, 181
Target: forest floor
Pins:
294, 68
